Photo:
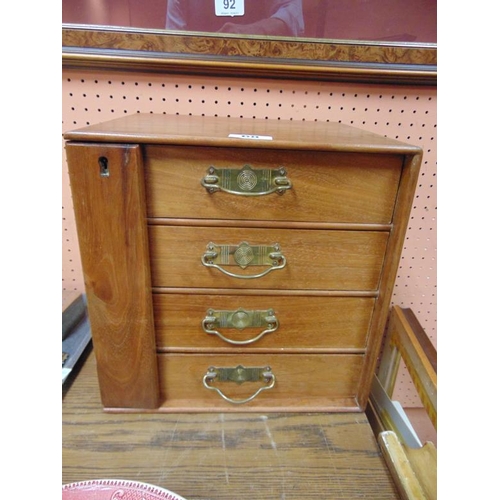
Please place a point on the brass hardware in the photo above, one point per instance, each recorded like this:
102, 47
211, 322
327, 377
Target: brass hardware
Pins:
244, 255
240, 319
239, 375
246, 181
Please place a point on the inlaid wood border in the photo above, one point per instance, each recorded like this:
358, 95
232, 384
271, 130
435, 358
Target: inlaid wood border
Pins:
328, 60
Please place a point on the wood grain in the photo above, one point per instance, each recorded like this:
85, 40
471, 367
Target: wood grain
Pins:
326, 187
249, 46
305, 323
304, 382
316, 259
341, 229
111, 224
222, 456
294, 135
414, 469
402, 211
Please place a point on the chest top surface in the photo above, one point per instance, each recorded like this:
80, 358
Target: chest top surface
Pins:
238, 132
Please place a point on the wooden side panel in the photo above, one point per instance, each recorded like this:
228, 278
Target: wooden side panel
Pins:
304, 382
402, 210
316, 259
326, 186
109, 201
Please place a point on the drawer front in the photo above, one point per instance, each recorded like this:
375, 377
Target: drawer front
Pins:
316, 381
185, 322
326, 186
315, 259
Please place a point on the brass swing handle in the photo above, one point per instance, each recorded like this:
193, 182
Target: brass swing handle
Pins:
246, 181
240, 319
238, 375
244, 255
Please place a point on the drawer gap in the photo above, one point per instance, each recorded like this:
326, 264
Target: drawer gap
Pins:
252, 291
256, 350
344, 226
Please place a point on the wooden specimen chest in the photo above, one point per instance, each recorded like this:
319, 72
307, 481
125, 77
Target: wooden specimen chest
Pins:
236, 264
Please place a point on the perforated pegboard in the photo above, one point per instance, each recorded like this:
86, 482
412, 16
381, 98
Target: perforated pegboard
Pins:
399, 112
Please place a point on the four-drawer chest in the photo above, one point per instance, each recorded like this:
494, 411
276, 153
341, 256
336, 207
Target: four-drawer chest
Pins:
237, 264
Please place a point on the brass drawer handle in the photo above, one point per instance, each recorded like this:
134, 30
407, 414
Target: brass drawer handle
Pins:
238, 375
246, 181
244, 255
240, 319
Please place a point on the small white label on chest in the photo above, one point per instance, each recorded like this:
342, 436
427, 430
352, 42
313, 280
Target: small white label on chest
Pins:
251, 136
229, 8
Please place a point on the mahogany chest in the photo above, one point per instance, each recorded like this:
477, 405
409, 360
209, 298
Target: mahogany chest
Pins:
236, 264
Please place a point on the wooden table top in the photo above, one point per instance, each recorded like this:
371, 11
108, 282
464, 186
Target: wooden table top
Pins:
222, 456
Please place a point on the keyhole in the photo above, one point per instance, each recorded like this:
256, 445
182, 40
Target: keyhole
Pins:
103, 166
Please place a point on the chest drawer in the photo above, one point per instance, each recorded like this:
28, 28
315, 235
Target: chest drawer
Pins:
193, 322
315, 259
326, 187
302, 382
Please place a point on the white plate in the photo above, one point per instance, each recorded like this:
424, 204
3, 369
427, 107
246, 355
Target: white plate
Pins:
115, 489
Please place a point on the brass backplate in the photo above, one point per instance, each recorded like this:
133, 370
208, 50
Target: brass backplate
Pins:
239, 374
246, 181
